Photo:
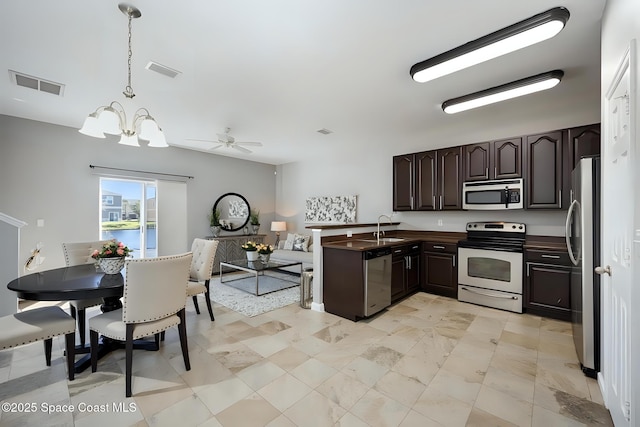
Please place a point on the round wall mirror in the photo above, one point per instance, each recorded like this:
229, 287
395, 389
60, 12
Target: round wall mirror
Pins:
234, 211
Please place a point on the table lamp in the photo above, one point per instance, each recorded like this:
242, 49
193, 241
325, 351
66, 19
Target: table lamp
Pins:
278, 226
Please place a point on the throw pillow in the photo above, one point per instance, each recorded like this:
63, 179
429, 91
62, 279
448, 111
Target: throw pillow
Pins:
297, 242
301, 243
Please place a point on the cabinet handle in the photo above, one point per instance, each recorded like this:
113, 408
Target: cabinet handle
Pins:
454, 261
438, 247
559, 300
411, 202
415, 247
550, 256
495, 172
440, 202
559, 198
397, 251
528, 269
434, 203
486, 173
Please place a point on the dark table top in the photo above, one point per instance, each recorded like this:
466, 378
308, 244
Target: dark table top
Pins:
68, 283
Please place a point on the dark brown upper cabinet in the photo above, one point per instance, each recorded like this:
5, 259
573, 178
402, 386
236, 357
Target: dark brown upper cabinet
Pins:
583, 141
403, 182
493, 160
543, 154
430, 180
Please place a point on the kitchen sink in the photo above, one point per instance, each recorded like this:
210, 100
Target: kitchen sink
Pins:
385, 240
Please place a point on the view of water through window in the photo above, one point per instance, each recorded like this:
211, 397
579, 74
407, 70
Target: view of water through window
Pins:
124, 204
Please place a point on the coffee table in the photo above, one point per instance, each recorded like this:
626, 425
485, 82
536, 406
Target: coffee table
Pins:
259, 269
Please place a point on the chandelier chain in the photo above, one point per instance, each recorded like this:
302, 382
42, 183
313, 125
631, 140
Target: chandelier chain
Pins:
128, 91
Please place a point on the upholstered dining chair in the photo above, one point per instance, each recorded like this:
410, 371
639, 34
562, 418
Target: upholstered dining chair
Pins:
40, 324
204, 252
77, 254
154, 297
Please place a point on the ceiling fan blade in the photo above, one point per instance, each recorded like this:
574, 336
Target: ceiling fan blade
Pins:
255, 144
202, 140
215, 148
239, 148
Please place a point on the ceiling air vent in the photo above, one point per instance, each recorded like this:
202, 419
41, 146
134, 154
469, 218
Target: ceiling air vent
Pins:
325, 131
36, 83
162, 69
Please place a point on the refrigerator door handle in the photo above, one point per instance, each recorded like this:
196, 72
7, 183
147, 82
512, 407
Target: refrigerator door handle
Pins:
567, 232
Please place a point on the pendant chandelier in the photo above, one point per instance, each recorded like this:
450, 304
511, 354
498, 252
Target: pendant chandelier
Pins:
112, 118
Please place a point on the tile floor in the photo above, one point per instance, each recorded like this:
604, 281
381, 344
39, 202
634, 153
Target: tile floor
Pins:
427, 361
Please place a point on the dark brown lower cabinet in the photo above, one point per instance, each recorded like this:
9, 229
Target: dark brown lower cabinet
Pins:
343, 283
547, 284
440, 272
405, 271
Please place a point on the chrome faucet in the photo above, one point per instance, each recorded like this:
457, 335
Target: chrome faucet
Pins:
378, 232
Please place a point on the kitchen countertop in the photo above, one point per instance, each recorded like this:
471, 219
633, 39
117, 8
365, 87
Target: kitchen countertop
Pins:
360, 243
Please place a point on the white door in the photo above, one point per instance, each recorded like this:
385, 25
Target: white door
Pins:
618, 189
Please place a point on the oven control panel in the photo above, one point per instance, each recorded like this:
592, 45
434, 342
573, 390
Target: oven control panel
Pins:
507, 227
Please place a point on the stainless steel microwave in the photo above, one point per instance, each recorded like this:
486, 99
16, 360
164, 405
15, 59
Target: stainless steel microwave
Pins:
493, 195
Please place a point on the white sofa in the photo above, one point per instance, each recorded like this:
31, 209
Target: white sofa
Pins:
305, 257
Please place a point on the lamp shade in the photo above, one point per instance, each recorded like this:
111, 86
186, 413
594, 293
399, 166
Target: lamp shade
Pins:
129, 140
110, 121
278, 226
91, 127
158, 140
148, 129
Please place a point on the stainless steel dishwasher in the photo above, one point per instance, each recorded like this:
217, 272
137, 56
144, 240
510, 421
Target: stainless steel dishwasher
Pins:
377, 280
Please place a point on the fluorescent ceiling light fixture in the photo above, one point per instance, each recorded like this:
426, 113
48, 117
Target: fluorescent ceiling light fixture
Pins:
525, 33
503, 92
112, 118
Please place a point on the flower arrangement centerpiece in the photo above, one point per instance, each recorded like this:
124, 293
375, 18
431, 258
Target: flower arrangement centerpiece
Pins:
111, 256
264, 251
251, 248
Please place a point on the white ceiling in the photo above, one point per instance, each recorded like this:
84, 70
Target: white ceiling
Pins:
277, 71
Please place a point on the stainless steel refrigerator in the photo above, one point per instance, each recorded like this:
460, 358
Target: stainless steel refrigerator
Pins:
583, 244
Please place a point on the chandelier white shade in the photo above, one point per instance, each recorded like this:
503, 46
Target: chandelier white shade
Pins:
525, 33
112, 118
503, 92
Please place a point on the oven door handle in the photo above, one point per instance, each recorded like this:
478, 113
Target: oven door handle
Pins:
492, 295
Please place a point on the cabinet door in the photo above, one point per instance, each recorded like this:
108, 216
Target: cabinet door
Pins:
507, 159
398, 277
426, 181
450, 178
440, 275
544, 171
413, 272
584, 141
548, 290
403, 182
476, 162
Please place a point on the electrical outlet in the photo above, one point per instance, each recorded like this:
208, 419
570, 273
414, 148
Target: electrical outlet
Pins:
349, 233
439, 223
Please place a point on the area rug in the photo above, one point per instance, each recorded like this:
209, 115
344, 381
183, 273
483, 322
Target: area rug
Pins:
249, 304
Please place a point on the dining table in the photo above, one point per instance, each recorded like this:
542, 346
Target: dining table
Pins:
78, 282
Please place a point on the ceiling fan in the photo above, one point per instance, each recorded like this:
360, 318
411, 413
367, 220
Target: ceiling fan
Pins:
227, 141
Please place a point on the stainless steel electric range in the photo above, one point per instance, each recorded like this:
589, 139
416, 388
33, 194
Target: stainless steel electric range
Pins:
490, 265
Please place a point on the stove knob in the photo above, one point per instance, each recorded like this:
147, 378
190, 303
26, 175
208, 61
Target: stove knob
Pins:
513, 226
520, 227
